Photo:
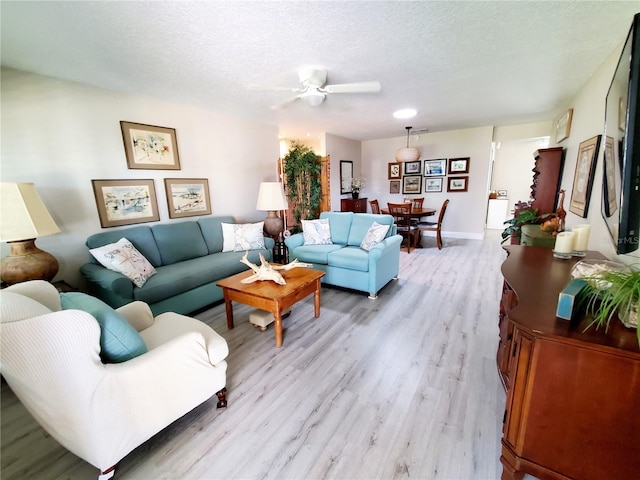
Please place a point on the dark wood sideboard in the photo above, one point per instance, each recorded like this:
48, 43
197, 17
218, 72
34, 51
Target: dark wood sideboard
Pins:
573, 397
355, 205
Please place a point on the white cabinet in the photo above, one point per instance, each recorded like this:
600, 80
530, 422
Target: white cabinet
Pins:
497, 213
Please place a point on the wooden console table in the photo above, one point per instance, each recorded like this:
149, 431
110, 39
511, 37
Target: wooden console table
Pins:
572, 396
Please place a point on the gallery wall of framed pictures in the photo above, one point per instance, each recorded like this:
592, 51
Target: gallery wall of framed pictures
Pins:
429, 176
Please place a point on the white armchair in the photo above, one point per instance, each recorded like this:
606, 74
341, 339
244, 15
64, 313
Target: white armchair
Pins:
51, 360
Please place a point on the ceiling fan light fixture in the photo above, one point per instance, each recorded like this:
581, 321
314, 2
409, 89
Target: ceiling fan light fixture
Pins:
313, 97
405, 113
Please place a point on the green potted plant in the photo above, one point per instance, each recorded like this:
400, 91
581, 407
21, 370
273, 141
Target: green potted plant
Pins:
524, 217
303, 185
613, 292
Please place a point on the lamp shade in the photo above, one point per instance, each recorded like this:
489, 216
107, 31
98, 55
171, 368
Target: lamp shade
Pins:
271, 197
23, 215
407, 154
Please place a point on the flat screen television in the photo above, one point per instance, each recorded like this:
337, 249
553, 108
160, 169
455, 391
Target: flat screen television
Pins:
621, 177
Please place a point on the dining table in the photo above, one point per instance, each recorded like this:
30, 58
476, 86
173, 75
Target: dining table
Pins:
415, 212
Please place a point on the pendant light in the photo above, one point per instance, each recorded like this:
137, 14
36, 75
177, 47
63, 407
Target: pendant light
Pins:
407, 154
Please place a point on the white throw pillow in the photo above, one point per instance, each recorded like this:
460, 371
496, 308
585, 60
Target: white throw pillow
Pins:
228, 237
124, 258
248, 236
316, 232
375, 234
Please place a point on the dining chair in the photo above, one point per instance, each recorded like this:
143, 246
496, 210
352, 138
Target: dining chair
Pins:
416, 204
401, 213
375, 206
435, 226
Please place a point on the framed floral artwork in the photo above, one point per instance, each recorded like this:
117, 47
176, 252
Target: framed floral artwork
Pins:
394, 170
459, 165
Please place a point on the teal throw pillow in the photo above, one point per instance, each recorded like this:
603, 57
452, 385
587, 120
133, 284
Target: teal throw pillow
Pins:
119, 341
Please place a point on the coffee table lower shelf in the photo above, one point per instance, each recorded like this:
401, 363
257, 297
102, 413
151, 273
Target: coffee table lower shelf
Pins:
269, 296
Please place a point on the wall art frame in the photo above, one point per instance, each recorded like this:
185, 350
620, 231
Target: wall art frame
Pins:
457, 184
411, 184
609, 192
459, 165
394, 186
125, 202
433, 185
187, 197
346, 174
435, 168
149, 147
394, 170
583, 176
563, 126
412, 168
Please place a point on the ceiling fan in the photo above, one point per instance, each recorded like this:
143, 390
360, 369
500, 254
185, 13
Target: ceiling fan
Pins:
313, 90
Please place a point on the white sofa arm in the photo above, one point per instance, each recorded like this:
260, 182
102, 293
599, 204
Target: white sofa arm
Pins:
138, 314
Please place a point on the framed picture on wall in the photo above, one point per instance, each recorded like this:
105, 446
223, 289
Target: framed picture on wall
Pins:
125, 202
346, 174
435, 168
563, 126
187, 197
149, 147
583, 176
432, 185
411, 184
458, 184
394, 170
412, 168
459, 165
394, 186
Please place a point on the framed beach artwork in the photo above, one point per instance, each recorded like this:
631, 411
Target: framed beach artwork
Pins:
125, 202
432, 185
412, 168
435, 168
149, 147
458, 184
187, 197
411, 184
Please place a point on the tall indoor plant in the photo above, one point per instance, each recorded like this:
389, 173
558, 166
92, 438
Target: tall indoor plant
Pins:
302, 169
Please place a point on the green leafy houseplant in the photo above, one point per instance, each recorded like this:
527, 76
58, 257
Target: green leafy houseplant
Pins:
524, 217
610, 293
302, 170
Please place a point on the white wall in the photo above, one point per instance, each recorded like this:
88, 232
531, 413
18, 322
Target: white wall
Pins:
60, 135
466, 213
588, 121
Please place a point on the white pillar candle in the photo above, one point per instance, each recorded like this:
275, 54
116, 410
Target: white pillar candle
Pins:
581, 238
564, 242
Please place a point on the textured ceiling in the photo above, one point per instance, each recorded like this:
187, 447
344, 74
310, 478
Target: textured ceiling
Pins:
460, 64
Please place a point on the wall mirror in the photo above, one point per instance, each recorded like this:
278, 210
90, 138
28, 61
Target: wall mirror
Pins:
621, 173
346, 174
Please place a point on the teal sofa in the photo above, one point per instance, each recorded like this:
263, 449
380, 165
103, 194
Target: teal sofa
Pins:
188, 259
345, 263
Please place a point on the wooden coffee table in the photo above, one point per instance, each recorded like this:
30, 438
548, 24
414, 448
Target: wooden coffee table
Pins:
269, 296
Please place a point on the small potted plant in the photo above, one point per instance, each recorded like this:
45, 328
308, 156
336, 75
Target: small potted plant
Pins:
527, 216
614, 292
357, 184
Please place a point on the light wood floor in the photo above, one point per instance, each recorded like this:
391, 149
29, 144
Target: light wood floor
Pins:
404, 386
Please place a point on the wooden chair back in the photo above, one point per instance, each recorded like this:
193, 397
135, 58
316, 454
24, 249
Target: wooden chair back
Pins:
375, 206
415, 202
401, 213
436, 227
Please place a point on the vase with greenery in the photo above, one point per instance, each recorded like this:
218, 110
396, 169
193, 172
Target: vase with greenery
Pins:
524, 217
613, 292
303, 185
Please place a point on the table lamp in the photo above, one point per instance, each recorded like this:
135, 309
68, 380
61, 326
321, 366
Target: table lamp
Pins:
271, 198
23, 218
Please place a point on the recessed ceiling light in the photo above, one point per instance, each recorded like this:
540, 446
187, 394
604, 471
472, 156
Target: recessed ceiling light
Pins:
405, 113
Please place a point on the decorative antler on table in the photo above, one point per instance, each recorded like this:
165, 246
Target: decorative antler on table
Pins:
266, 271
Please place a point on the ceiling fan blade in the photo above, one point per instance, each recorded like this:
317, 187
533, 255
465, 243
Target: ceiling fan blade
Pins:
265, 88
285, 103
357, 87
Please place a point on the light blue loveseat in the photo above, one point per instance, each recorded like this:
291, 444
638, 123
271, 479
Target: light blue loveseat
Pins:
187, 256
345, 263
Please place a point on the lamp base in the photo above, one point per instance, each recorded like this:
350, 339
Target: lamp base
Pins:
273, 225
27, 262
